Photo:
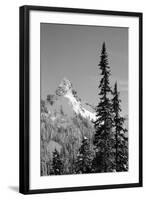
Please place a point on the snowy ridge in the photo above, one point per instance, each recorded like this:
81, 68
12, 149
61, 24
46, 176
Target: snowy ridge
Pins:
65, 89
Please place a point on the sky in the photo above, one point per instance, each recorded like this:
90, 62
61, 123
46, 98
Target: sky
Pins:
73, 51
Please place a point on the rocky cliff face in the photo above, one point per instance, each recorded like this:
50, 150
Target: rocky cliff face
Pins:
66, 90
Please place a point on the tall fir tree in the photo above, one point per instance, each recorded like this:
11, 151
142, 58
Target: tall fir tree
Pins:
84, 158
121, 140
57, 164
103, 138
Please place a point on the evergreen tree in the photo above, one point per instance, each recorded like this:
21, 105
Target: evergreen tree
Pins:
43, 107
103, 138
61, 111
121, 141
84, 158
57, 164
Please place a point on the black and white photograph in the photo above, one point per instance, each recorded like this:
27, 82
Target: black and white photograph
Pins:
83, 99
80, 99
72, 100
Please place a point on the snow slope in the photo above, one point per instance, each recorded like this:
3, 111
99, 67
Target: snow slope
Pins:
66, 89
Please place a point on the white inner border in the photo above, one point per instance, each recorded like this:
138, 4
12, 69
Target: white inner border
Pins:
132, 176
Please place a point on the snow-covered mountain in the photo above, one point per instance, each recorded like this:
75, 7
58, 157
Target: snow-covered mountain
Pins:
66, 90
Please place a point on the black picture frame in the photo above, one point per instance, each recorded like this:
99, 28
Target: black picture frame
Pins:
24, 123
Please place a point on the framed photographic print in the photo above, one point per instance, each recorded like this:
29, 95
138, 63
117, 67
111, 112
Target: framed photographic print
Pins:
80, 99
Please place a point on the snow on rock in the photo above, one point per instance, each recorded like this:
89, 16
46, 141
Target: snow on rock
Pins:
65, 89
85, 138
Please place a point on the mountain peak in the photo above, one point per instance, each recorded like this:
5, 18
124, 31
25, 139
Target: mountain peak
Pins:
66, 90
64, 87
